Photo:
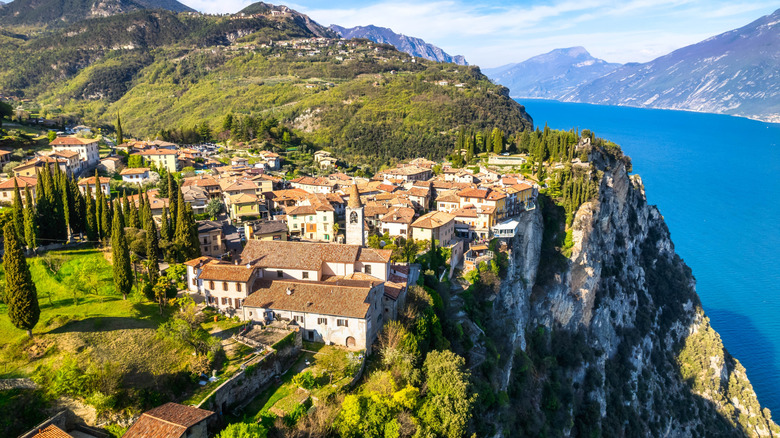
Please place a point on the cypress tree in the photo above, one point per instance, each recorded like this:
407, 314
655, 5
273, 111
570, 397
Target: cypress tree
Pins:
91, 219
165, 226
186, 235
132, 217
152, 250
173, 203
119, 137
18, 211
60, 222
125, 205
20, 292
105, 218
67, 203
123, 275
30, 227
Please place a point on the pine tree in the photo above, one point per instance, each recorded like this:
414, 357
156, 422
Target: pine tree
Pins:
119, 137
123, 275
30, 227
18, 211
20, 292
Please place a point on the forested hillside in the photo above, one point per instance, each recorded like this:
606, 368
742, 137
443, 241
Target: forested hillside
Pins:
162, 70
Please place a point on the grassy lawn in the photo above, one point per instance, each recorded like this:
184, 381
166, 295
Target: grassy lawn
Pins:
101, 330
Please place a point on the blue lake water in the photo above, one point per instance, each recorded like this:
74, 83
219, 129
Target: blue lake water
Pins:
716, 180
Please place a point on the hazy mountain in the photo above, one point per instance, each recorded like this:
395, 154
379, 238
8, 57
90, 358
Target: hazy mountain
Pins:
56, 13
551, 75
411, 45
737, 72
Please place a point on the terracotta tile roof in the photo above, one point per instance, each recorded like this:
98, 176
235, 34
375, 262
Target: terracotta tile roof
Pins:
399, 215
522, 187
134, 171
340, 176
158, 152
66, 154
495, 195
22, 181
434, 219
267, 154
194, 193
91, 181
199, 261
375, 210
232, 185
448, 196
5, 152
393, 290
405, 171
170, 420
374, 255
389, 188
419, 192
71, 141
227, 272
155, 203
52, 431
473, 193
242, 198
310, 181
465, 213
300, 209
304, 255
401, 269
325, 298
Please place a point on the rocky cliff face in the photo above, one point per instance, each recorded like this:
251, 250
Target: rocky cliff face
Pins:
612, 340
411, 45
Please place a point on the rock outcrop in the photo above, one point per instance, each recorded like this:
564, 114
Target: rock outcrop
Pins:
639, 358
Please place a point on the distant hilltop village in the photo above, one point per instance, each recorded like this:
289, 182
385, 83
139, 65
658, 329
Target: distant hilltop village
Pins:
306, 250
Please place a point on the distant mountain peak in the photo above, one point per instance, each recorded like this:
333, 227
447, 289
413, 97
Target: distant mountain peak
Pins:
731, 73
550, 75
411, 45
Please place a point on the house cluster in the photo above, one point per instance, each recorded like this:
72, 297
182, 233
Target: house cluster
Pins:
336, 293
72, 155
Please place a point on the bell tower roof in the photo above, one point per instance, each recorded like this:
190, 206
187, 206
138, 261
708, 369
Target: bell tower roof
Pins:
354, 197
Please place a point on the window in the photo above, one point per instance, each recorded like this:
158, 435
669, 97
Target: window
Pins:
305, 275
295, 226
224, 301
205, 241
194, 281
211, 285
279, 274
322, 321
367, 269
342, 323
224, 285
327, 237
238, 303
298, 319
238, 287
310, 334
216, 248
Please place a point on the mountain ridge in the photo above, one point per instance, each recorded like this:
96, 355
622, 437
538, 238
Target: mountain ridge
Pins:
731, 73
551, 75
411, 45
61, 13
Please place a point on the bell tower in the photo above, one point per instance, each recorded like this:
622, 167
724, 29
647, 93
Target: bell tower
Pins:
355, 219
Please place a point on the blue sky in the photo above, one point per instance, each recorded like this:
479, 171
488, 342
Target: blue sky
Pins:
494, 33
